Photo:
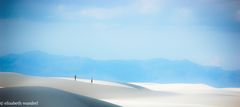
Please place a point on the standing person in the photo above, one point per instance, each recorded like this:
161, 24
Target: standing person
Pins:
91, 79
75, 77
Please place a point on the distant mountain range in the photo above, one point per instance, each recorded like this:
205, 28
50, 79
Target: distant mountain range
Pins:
154, 70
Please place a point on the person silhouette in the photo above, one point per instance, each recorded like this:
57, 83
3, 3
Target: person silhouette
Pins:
91, 79
75, 77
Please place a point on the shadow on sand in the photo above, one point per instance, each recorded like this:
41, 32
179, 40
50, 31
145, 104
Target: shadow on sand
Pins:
46, 97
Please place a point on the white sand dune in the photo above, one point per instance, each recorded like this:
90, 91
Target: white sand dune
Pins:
179, 88
187, 95
98, 91
46, 97
232, 89
95, 82
134, 95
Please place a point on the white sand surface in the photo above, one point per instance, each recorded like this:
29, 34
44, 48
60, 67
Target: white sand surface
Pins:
179, 87
186, 95
98, 91
232, 89
132, 95
94, 81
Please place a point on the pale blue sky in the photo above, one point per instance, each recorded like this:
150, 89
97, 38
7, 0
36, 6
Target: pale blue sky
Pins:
203, 31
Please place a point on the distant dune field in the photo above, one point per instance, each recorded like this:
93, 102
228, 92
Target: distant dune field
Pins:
125, 94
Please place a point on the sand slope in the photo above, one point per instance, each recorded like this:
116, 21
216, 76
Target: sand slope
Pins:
134, 94
46, 97
186, 95
99, 91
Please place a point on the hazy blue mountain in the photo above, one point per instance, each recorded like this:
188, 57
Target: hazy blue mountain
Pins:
155, 70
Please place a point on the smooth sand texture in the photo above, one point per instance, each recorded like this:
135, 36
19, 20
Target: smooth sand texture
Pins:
46, 97
95, 82
98, 91
186, 95
134, 94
